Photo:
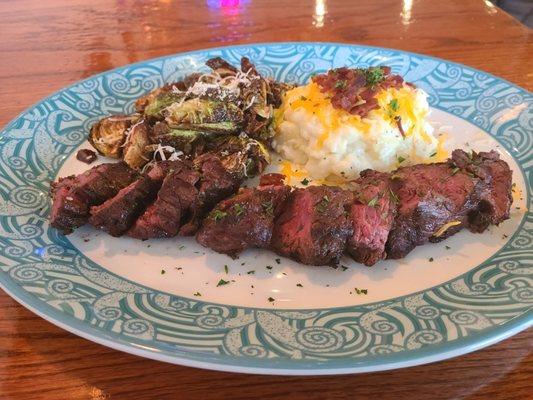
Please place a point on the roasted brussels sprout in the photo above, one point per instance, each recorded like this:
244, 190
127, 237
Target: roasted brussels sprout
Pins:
108, 135
136, 148
204, 114
241, 155
157, 104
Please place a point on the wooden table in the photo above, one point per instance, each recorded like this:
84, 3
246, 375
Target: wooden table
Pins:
46, 45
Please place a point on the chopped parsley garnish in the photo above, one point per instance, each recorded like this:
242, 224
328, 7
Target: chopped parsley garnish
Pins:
374, 76
181, 247
340, 84
251, 272
217, 215
447, 247
373, 202
323, 204
268, 207
238, 208
197, 294
455, 170
344, 267
305, 182
430, 259
401, 159
268, 267
226, 269
222, 282
271, 299
299, 285
393, 196
394, 106
303, 98
433, 154
361, 291
278, 260
163, 272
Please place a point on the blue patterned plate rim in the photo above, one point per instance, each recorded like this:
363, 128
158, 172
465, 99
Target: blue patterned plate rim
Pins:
175, 353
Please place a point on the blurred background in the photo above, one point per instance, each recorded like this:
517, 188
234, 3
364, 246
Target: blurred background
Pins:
522, 10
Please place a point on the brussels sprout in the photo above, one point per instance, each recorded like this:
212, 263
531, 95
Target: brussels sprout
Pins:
157, 104
136, 148
108, 135
205, 114
241, 155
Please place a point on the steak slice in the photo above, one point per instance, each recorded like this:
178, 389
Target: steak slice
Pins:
433, 203
372, 215
171, 209
215, 184
118, 214
246, 219
314, 226
493, 194
73, 196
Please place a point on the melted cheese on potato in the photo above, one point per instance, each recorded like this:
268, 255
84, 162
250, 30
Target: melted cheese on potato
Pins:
330, 143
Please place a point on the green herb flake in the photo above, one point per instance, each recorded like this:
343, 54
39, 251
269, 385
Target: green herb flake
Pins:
163, 272
344, 267
222, 282
278, 260
433, 154
299, 285
374, 76
181, 247
217, 215
238, 208
303, 98
197, 294
226, 269
430, 259
361, 291
455, 170
323, 204
269, 267
401, 159
271, 299
393, 196
394, 106
373, 202
251, 272
447, 247
268, 207
340, 84
305, 182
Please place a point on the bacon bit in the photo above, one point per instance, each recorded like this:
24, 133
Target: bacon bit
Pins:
400, 127
354, 90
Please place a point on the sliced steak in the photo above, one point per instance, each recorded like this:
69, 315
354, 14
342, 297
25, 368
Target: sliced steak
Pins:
433, 203
372, 215
246, 219
118, 214
171, 209
73, 196
314, 226
493, 195
215, 184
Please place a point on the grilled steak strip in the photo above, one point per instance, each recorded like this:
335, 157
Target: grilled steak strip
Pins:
246, 219
372, 215
118, 214
314, 226
74, 195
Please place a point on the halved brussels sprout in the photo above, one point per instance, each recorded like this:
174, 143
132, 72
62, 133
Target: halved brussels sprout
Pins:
204, 111
108, 135
136, 149
156, 104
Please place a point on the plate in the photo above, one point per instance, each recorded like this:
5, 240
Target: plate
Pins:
159, 299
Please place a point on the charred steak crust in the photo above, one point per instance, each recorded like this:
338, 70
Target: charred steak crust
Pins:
244, 220
492, 195
314, 226
73, 196
117, 215
429, 198
372, 215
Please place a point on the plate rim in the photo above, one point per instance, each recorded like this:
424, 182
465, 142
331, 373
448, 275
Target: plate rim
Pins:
432, 353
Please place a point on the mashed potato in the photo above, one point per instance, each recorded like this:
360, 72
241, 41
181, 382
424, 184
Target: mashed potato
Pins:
330, 143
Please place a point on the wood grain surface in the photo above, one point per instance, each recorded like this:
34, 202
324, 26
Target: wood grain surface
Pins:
47, 44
